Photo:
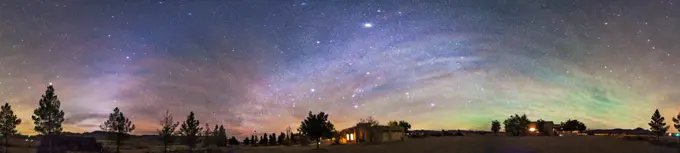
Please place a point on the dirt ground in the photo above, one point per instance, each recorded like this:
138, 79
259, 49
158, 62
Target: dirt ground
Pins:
490, 144
465, 144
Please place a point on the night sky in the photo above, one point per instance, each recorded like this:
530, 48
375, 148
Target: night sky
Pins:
263, 64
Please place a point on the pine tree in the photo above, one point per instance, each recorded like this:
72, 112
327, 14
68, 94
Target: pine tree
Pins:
281, 138
288, 140
317, 126
246, 141
676, 123
216, 136
221, 136
495, 126
190, 130
207, 135
272, 139
289, 132
233, 141
253, 140
167, 131
48, 117
119, 125
264, 139
658, 125
8, 123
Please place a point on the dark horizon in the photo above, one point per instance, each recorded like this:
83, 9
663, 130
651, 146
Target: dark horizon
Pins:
262, 65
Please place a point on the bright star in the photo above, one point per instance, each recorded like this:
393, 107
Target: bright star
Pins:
368, 25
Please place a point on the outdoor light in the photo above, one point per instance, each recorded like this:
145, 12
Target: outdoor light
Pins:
676, 134
532, 129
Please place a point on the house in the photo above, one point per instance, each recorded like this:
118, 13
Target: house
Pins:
367, 133
548, 126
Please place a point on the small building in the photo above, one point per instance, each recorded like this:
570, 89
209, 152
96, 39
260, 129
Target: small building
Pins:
548, 126
367, 133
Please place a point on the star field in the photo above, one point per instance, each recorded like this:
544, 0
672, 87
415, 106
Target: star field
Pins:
262, 65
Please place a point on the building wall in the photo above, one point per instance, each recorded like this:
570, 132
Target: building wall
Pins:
370, 134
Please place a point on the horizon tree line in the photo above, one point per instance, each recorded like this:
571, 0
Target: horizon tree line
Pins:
48, 118
518, 125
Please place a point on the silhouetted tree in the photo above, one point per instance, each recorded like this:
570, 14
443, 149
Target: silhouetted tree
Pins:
168, 130
8, 123
221, 136
581, 127
676, 123
119, 126
517, 125
253, 140
190, 130
406, 125
573, 125
215, 137
246, 141
233, 141
272, 139
48, 117
207, 136
402, 124
263, 139
657, 125
369, 120
287, 140
495, 126
281, 138
317, 126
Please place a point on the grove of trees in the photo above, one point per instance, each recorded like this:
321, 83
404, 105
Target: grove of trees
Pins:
517, 125
573, 125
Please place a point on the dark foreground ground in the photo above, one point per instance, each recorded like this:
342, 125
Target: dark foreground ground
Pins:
492, 144
464, 144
